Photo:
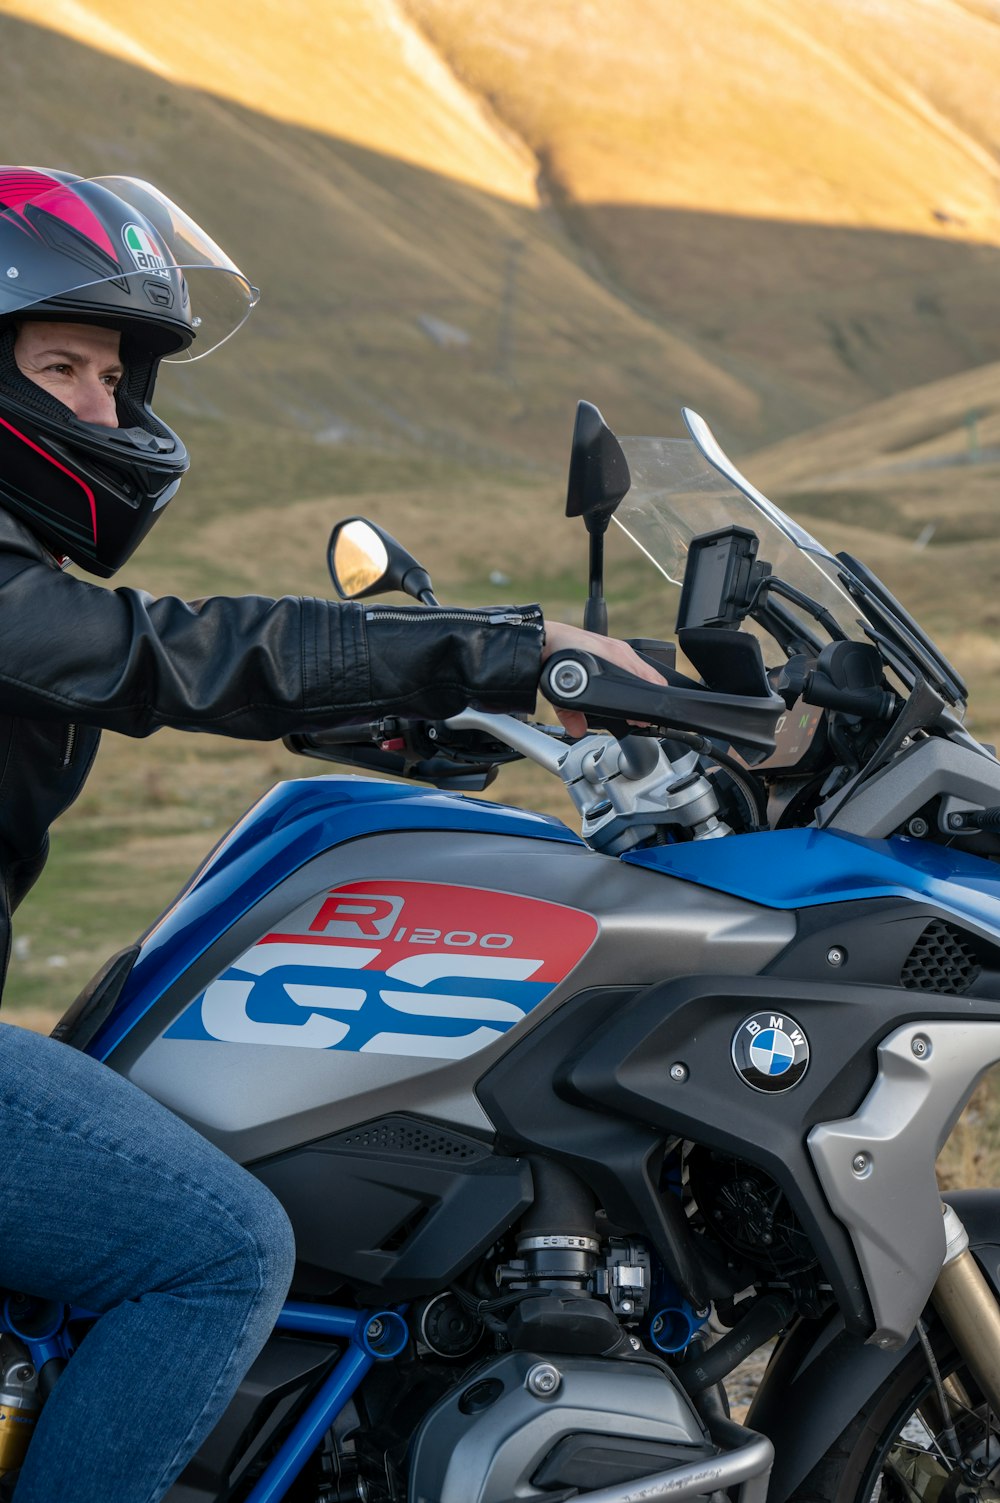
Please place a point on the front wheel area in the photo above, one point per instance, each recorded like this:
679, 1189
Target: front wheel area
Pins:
901, 1448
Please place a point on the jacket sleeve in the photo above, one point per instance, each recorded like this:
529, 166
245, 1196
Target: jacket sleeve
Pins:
247, 666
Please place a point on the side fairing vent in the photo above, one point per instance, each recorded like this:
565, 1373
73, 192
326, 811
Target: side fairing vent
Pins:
942, 960
407, 1136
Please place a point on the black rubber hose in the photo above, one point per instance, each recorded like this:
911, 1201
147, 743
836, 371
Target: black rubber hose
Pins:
769, 1314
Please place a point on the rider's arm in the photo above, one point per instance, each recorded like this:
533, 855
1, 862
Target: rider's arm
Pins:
244, 666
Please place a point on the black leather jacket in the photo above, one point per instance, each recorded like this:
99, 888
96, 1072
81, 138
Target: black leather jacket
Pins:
77, 658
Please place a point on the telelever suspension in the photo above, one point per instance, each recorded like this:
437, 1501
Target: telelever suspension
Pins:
624, 789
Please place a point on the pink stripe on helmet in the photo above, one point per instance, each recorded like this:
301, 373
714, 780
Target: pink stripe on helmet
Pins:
83, 486
22, 186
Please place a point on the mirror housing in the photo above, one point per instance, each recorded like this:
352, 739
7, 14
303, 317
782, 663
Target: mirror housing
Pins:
598, 470
364, 559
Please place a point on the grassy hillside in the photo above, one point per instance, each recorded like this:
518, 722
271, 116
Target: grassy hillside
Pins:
418, 301
465, 214
809, 190
464, 217
911, 485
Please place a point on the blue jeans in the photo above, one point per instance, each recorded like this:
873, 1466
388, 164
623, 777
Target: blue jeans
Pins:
111, 1203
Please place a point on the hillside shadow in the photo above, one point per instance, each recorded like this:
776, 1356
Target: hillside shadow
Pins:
408, 315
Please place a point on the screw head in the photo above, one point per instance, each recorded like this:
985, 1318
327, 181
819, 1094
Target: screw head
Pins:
13, 273
955, 821
626, 1307
679, 1072
836, 955
861, 1164
920, 1046
543, 1379
374, 1330
918, 827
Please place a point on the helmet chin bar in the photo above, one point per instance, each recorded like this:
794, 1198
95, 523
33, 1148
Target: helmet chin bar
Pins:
85, 490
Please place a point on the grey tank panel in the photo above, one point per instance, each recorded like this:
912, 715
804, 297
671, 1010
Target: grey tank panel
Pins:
255, 1100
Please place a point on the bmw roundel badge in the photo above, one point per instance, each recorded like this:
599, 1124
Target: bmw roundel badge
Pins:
770, 1052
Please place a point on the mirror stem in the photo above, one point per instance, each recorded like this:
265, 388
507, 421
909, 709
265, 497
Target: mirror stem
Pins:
595, 612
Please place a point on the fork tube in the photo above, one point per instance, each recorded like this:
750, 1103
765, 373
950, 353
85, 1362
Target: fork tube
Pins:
968, 1307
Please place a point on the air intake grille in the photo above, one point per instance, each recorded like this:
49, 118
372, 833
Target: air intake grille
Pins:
404, 1135
942, 960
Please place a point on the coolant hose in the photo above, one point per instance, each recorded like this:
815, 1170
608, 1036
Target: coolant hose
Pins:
769, 1314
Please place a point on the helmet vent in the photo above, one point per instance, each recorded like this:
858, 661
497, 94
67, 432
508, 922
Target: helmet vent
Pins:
942, 960
409, 1138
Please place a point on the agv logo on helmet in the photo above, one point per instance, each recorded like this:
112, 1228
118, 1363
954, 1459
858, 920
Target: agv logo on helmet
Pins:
770, 1052
144, 250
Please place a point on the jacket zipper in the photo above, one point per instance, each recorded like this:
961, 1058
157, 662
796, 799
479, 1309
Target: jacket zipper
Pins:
70, 746
486, 618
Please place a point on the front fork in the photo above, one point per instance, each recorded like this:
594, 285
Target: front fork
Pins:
968, 1307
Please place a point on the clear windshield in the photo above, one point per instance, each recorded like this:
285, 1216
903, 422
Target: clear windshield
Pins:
684, 487
677, 495
58, 238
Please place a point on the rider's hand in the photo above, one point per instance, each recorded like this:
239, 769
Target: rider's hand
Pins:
559, 637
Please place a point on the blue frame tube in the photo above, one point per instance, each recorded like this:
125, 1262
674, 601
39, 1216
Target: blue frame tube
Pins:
321, 1320
317, 1320
337, 1388
312, 1426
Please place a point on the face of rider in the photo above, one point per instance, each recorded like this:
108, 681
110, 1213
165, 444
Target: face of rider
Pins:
78, 363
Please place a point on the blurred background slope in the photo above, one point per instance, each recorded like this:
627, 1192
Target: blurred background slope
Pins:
466, 214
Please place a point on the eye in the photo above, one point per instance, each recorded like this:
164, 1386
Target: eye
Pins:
60, 368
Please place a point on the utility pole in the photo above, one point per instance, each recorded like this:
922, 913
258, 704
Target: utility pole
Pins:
508, 304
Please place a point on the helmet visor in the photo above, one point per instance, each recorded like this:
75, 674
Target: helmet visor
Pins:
62, 238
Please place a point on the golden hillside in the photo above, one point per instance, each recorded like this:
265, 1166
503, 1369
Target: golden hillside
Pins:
465, 214
810, 190
415, 294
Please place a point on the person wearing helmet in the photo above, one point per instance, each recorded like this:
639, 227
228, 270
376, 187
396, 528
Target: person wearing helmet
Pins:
107, 1201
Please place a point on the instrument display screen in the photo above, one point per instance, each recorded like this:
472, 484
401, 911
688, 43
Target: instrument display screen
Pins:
794, 734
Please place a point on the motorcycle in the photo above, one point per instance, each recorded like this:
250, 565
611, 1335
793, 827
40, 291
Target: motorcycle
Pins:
567, 1125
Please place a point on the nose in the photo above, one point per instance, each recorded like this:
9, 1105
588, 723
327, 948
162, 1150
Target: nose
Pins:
95, 402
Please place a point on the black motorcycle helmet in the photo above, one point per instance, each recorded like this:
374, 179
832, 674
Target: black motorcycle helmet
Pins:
115, 252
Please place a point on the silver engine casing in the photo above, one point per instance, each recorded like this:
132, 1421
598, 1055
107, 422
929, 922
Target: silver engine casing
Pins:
487, 1440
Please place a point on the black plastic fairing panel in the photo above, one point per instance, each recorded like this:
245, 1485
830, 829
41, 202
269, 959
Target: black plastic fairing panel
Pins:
283, 1373
626, 1068
619, 1159
873, 940
397, 1208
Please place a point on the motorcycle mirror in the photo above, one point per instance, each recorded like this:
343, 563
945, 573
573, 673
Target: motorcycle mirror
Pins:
598, 479
598, 470
364, 559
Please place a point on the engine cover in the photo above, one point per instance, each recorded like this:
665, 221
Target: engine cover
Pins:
527, 1424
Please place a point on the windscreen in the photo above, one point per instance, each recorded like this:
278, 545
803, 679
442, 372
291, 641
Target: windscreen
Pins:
676, 495
683, 487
